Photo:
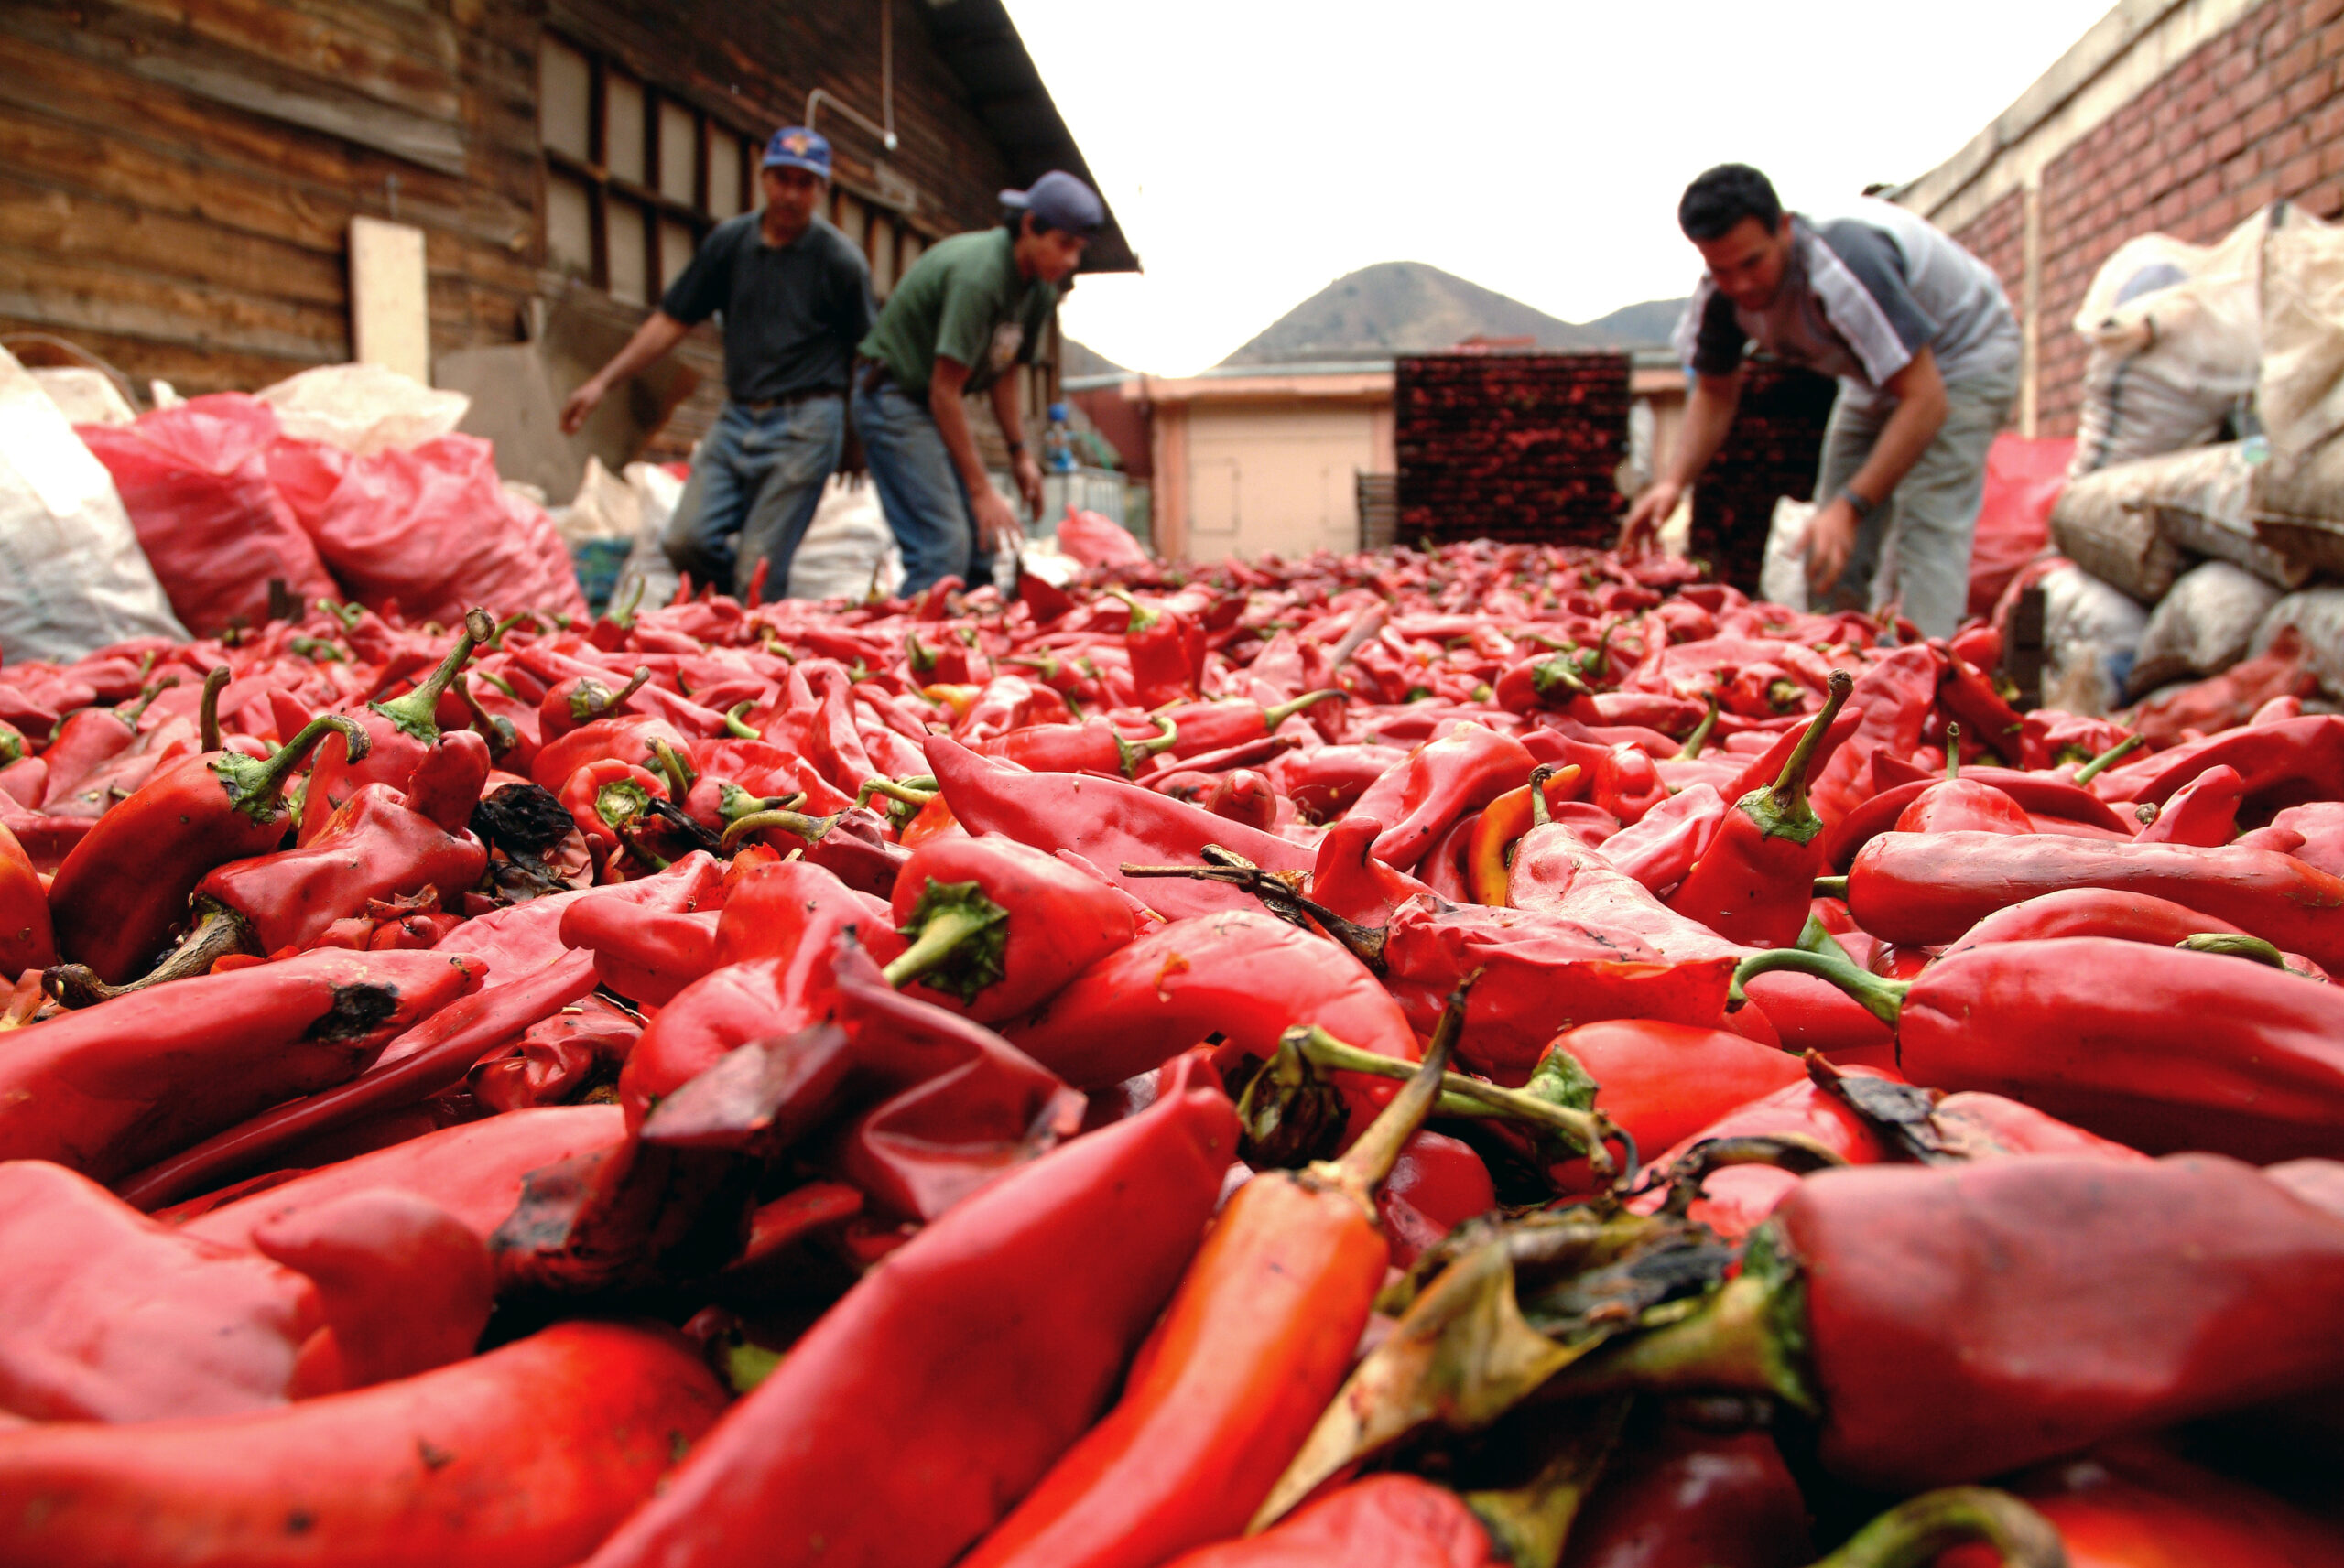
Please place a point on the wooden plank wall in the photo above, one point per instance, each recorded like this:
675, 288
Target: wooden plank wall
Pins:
177, 177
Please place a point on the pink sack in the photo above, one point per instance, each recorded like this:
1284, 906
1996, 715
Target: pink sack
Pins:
195, 481
2024, 479
1097, 541
429, 527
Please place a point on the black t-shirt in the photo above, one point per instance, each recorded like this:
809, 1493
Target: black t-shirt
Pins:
792, 314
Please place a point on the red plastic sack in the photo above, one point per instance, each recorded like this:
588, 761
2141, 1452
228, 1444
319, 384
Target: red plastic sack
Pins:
2024, 479
1097, 541
429, 527
195, 481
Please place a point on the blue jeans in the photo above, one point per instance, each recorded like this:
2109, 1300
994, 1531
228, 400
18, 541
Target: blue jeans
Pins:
919, 488
755, 484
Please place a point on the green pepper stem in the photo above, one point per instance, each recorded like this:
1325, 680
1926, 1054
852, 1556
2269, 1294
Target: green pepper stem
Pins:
501, 734
1273, 717
1142, 617
496, 639
1913, 1533
1952, 751
1789, 791
892, 791
1728, 1345
207, 712
137, 711
412, 715
1459, 1096
810, 828
1134, 753
939, 939
2234, 946
1883, 999
680, 774
739, 728
1362, 1167
1699, 738
2109, 757
1830, 887
219, 931
1539, 815
255, 785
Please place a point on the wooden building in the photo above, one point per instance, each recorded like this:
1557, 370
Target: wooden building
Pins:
178, 178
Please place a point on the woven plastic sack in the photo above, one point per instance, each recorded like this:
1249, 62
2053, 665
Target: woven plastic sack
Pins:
2024, 479
429, 529
845, 544
2202, 627
1782, 576
72, 578
2104, 523
2091, 632
2175, 336
2317, 616
1097, 541
363, 408
647, 577
195, 481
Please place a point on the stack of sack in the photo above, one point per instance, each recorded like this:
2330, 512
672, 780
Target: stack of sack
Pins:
2202, 526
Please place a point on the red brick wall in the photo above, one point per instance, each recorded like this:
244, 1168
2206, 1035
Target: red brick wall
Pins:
2252, 116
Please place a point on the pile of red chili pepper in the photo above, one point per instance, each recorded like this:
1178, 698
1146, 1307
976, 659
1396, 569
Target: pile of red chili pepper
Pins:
1486, 1055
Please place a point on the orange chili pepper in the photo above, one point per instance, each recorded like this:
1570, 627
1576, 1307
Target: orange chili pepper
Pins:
1503, 822
1254, 1344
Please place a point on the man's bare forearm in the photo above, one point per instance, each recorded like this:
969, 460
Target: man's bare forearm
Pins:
1008, 411
658, 333
1920, 415
1708, 415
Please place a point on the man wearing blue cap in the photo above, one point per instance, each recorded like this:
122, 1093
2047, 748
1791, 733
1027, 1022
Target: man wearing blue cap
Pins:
970, 308
794, 295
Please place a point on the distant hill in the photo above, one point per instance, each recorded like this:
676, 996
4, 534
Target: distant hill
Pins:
1079, 359
1400, 308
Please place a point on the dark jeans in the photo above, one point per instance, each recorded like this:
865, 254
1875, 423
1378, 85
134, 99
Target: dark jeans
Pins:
755, 484
919, 488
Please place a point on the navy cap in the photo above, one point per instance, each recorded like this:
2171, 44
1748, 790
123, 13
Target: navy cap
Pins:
1058, 200
795, 146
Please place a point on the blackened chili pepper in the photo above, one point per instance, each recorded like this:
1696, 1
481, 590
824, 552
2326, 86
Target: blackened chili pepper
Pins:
1951, 1322
125, 887
403, 731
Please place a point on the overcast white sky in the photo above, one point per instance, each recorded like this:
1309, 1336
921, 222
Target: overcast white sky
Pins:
1255, 150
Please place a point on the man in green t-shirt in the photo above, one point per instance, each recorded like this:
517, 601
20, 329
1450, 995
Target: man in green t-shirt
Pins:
970, 308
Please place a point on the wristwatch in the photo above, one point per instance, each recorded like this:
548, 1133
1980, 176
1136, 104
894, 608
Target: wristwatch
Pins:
1856, 503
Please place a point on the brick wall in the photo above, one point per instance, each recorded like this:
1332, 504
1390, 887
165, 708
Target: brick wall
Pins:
2253, 115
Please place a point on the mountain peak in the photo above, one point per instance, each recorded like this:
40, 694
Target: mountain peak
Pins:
1408, 308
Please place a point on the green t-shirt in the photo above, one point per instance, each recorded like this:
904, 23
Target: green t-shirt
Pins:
963, 299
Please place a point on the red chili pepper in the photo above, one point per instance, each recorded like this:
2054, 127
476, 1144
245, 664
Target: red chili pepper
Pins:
28, 937
2278, 764
403, 733
1107, 822
372, 847
1690, 1499
1927, 890
116, 1087
1959, 804
1436, 1184
432, 1056
87, 737
602, 798
1327, 783
943, 1386
1389, 1520
1502, 823
1751, 885
1348, 879
996, 926
2039, 796
645, 949
630, 739
2202, 812
1217, 726
530, 1454
1244, 797
579, 699
1664, 1083
1253, 1345
2198, 1050
1987, 720
1944, 1323
1093, 746
1440, 783
1166, 649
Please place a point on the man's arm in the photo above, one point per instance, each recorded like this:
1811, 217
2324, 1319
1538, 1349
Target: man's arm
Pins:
658, 334
1008, 411
991, 514
1920, 413
1708, 415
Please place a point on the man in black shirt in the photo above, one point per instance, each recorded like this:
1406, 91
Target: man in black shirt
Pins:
795, 295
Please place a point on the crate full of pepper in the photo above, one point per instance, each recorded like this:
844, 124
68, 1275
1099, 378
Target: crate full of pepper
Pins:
1496, 1054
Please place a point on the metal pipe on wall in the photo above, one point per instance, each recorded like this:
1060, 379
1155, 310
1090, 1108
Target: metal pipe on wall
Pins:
886, 132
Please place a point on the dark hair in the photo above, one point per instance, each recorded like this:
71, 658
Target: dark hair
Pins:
1722, 197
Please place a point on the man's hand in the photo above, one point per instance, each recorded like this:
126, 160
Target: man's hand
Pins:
1028, 474
995, 521
1830, 537
1641, 529
582, 403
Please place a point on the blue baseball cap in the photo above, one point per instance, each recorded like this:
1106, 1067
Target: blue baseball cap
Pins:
795, 146
1060, 200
